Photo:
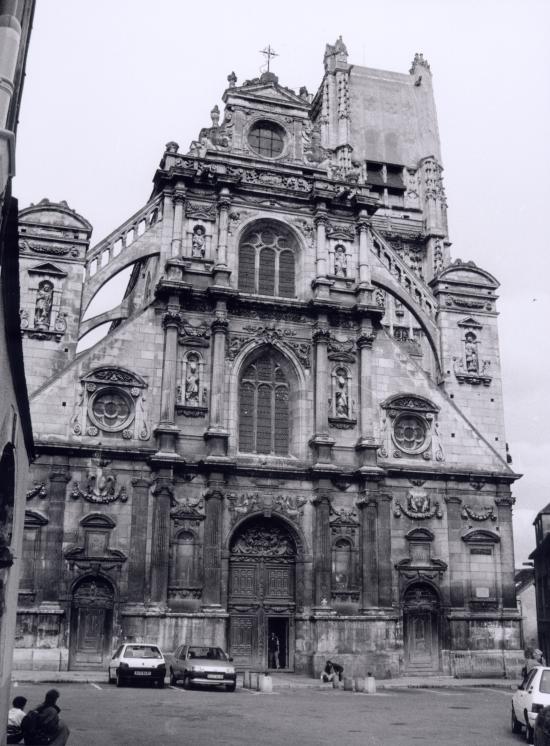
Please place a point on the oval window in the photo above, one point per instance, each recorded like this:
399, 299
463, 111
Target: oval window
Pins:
267, 139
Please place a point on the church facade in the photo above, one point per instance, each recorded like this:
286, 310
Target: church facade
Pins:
294, 425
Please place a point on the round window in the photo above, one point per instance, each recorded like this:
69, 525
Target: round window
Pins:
267, 139
410, 433
111, 409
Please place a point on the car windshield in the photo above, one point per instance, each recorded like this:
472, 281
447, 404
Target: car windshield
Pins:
544, 686
142, 651
216, 654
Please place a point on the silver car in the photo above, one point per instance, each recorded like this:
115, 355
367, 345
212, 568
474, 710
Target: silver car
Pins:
202, 665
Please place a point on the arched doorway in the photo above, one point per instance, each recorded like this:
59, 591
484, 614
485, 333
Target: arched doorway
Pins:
421, 629
262, 582
91, 623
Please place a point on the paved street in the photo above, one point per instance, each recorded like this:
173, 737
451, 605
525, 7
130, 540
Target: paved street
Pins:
100, 714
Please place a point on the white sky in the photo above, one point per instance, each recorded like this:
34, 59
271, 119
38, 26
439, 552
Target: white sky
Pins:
109, 82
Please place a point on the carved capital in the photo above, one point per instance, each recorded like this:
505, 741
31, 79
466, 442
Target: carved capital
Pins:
178, 197
505, 501
321, 334
366, 340
214, 494
321, 219
172, 319
363, 225
322, 498
220, 325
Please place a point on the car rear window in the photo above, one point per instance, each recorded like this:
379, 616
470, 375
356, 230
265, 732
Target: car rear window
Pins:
544, 687
142, 651
216, 654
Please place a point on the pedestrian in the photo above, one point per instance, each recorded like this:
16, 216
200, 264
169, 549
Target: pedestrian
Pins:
16, 714
43, 726
274, 648
331, 671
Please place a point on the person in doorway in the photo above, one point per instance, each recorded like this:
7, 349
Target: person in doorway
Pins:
274, 648
332, 671
16, 713
45, 727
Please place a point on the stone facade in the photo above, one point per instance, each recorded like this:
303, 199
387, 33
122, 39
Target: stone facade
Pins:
295, 423
16, 443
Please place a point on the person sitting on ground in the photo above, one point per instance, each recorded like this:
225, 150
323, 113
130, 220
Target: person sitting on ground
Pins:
331, 671
45, 728
16, 714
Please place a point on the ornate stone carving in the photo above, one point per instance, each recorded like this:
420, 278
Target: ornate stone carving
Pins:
474, 304
341, 350
102, 561
101, 486
47, 248
39, 490
188, 510
201, 210
198, 242
43, 305
419, 506
478, 515
249, 502
268, 541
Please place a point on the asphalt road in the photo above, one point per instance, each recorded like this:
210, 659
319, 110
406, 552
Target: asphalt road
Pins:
101, 714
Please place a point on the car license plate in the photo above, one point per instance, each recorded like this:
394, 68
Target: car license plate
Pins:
214, 675
142, 673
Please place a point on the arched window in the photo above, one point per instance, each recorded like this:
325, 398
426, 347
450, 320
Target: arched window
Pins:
342, 567
184, 560
267, 259
263, 407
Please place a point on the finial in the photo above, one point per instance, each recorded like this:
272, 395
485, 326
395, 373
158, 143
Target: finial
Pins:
215, 115
419, 61
172, 147
269, 53
232, 79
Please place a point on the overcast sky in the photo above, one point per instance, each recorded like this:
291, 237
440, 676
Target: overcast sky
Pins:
109, 82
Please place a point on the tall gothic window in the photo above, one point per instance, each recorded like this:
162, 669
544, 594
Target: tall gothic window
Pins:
263, 407
267, 258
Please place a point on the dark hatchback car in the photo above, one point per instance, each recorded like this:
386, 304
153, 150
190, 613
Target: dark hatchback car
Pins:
542, 728
202, 665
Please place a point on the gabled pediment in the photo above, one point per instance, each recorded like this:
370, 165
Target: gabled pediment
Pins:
47, 269
270, 93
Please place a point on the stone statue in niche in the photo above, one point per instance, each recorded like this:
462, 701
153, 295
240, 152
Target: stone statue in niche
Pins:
341, 394
192, 382
340, 261
43, 307
197, 242
471, 356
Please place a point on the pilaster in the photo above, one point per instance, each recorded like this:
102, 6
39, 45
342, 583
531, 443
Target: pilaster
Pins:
368, 507
321, 442
504, 502
160, 550
213, 499
456, 564
167, 431
221, 270
52, 573
177, 230
322, 557
217, 436
138, 540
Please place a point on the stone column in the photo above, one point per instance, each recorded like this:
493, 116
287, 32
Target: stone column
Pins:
321, 260
160, 549
321, 440
322, 557
167, 225
504, 502
366, 445
138, 540
456, 547
369, 551
221, 270
385, 567
177, 231
52, 575
167, 430
212, 547
363, 228
217, 434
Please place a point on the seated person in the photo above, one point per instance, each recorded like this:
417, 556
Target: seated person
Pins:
15, 716
47, 729
331, 671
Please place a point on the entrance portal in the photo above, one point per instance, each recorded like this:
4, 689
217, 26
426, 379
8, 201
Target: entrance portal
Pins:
91, 624
421, 629
262, 595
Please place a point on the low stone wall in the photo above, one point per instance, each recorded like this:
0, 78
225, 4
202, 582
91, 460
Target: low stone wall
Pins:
498, 664
40, 659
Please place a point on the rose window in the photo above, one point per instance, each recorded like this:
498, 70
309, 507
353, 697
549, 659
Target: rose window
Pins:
111, 410
410, 433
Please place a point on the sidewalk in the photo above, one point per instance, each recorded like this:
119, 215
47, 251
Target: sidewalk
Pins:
280, 680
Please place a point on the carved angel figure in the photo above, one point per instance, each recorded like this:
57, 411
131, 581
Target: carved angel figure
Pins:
340, 261
192, 382
471, 357
43, 307
197, 242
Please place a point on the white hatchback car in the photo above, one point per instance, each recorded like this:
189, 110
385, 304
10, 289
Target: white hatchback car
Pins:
529, 699
135, 661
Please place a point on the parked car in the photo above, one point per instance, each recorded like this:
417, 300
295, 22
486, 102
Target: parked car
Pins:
137, 662
531, 697
204, 665
542, 727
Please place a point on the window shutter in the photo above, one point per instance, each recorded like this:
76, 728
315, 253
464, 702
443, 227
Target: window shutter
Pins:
286, 274
266, 280
246, 417
247, 256
264, 421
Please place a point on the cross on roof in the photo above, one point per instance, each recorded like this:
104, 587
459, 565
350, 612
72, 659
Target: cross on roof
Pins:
269, 53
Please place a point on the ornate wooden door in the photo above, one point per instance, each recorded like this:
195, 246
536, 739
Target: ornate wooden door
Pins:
421, 629
91, 624
261, 587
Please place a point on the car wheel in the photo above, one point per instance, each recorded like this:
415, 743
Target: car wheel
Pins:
186, 683
118, 680
516, 725
231, 687
160, 683
529, 732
